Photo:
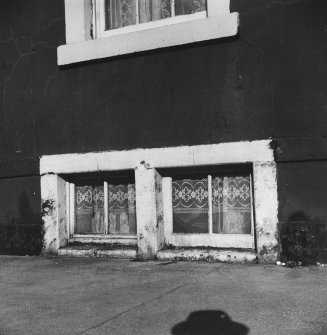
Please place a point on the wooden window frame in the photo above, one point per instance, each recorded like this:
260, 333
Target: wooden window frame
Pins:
89, 237
101, 32
210, 239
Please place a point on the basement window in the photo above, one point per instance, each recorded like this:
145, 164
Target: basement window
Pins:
102, 205
212, 207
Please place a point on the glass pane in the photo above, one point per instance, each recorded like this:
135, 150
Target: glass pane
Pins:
184, 7
190, 206
231, 205
89, 207
152, 10
122, 213
120, 13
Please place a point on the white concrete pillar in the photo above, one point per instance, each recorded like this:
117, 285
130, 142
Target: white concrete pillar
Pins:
149, 212
266, 211
54, 213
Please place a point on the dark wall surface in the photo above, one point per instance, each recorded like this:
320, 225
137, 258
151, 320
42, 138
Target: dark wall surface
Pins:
269, 81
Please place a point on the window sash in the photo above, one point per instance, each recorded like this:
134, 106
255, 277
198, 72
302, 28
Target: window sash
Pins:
99, 21
209, 239
71, 215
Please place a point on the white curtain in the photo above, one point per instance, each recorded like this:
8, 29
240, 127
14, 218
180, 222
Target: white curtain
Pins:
122, 13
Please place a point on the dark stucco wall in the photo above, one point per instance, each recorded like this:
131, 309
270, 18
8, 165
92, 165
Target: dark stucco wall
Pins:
269, 81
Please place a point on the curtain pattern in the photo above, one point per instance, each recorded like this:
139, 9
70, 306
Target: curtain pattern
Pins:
89, 205
184, 7
190, 206
122, 213
231, 205
122, 13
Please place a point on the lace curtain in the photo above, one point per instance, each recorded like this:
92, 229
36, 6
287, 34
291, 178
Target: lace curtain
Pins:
122, 13
190, 206
231, 205
89, 209
122, 214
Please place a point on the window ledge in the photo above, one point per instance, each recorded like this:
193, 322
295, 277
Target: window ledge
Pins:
149, 39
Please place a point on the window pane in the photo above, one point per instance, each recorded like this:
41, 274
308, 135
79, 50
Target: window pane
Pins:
190, 206
89, 209
152, 10
183, 7
122, 213
231, 205
120, 13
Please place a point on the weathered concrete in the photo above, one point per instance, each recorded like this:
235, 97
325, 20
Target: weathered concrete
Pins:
229, 256
97, 251
60, 296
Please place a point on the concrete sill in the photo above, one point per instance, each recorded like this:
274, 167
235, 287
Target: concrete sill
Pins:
97, 252
210, 255
150, 39
107, 239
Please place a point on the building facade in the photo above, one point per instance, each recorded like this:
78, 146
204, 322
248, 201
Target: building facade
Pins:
164, 129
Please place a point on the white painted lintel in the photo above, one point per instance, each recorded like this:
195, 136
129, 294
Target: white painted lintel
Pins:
183, 156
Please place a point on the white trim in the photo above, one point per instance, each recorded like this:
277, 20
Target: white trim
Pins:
104, 239
151, 25
210, 205
106, 207
71, 221
210, 154
210, 239
243, 241
68, 209
216, 22
211, 255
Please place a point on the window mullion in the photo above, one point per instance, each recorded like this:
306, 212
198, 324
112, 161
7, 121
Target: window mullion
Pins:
106, 207
72, 209
210, 204
137, 14
251, 204
172, 8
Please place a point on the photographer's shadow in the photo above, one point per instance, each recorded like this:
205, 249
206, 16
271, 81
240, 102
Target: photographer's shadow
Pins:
209, 322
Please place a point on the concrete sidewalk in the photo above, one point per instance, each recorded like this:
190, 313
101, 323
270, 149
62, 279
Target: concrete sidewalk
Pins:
98, 296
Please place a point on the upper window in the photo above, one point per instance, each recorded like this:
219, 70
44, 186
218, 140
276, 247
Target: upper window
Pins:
137, 14
106, 28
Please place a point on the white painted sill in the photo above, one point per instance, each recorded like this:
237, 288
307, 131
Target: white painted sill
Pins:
204, 29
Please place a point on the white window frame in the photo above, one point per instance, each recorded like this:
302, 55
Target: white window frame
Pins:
101, 32
86, 39
95, 238
210, 239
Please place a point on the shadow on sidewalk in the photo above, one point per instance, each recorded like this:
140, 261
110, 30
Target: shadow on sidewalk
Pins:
210, 322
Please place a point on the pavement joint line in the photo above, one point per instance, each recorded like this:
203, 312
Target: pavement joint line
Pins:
147, 301
133, 308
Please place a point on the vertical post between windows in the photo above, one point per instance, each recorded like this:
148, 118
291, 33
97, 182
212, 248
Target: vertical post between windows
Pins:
172, 8
252, 207
210, 204
72, 209
167, 204
68, 209
137, 14
106, 207
99, 19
